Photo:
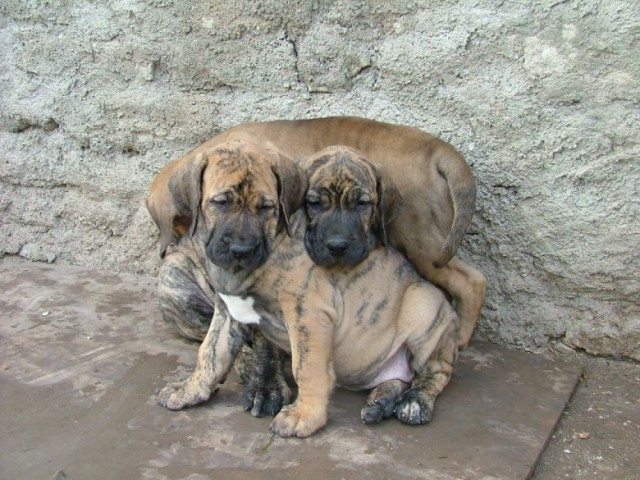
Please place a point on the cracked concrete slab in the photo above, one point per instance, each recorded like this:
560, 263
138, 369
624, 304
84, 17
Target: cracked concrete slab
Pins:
84, 353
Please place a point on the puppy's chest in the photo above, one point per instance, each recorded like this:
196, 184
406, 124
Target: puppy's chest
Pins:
254, 310
241, 308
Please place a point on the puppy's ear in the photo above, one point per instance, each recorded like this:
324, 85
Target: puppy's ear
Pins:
186, 189
388, 206
292, 186
163, 208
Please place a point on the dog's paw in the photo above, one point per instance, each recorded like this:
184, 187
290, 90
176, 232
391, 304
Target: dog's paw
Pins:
374, 411
261, 401
291, 423
176, 396
414, 409
261, 371
381, 401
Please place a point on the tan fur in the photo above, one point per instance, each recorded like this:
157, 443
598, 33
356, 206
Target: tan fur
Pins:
437, 186
340, 324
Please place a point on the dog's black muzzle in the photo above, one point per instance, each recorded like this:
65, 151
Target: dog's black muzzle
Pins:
336, 240
234, 250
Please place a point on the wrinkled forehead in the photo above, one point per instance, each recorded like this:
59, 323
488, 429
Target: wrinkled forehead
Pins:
341, 169
237, 167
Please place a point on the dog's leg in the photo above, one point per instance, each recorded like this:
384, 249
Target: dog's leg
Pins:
432, 325
215, 358
381, 401
185, 297
261, 371
312, 362
465, 284
187, 304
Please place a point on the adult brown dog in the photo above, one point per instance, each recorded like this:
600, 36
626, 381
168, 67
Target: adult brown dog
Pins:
433, 179
333, 319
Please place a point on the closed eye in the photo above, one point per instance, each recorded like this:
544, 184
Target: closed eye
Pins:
313, 200
220, 201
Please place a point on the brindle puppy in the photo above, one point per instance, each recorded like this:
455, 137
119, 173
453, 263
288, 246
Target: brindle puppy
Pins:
187, 302
186, 293
336, 323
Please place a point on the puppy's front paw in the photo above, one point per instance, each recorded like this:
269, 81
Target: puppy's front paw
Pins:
176, 396
265, 400
290, 422
414, 409
261, 371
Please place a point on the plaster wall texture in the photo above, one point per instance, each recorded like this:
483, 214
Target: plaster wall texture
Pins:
541, 97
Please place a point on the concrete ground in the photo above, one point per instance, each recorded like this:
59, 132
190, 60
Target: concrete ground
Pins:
82, 354
597, 433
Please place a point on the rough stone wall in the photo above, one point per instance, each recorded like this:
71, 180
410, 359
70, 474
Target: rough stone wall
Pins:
540, 96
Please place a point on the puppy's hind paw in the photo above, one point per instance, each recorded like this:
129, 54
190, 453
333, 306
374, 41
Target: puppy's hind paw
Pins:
412, 409
381, 402
373, 412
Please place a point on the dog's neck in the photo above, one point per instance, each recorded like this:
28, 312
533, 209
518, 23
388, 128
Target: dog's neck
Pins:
230, 282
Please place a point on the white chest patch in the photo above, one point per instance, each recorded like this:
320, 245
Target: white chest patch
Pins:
241, 309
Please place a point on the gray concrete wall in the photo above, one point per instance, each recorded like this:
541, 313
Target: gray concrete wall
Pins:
540, 96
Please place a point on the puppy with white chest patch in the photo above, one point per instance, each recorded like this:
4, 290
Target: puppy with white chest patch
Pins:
369, 323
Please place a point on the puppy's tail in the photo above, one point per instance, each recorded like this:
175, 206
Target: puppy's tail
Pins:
462, 191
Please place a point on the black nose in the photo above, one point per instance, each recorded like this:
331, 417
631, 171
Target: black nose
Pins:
240, 251
337, 246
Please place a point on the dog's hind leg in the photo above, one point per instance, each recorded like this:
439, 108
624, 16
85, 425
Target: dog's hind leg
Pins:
465, 284
187, 305
432, 341
215, 358
185, 296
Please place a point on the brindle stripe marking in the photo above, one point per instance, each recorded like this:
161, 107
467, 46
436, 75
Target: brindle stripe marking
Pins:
302, 347
345, 178
363, 272
366, 301
300, 308
343, 159
378, 310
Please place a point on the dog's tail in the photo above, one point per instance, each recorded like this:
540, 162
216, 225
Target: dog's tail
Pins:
462, 190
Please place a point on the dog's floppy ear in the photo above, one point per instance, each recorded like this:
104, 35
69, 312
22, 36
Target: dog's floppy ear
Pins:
388, 206
186, 189
162, 209
292, 186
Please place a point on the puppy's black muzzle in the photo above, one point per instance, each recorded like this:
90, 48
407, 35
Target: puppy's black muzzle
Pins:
233, 248
336, 239
234, 255
241, 251
337, 245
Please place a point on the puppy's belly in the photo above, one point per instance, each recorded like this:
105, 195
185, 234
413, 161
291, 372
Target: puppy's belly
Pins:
395, 368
